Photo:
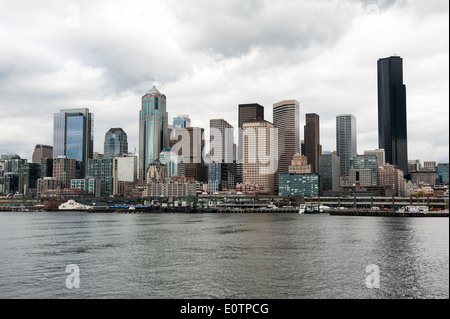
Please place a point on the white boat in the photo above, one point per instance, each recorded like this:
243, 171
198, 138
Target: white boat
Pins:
302, 209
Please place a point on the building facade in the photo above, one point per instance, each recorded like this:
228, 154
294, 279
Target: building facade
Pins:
42, 151
176, 187
153, 129
442, 174
286, 120
189, 147
390, 176
116, 143
91, 185
392, 113
260, 160
299, 165
247, 112
329, 172
104, 170
73, 135
346, 146
364, 170
380, 154
221, 141
299, 185
65, 169
181, 121
311, 147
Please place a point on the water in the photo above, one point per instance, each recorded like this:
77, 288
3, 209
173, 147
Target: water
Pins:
244, 256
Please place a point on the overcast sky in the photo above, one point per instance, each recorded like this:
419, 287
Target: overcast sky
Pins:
209, 56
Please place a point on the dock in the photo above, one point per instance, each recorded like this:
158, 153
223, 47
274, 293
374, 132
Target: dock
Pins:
381, 213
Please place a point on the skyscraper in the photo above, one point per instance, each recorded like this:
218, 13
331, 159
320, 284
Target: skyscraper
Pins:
189, 146
221, 141
380, 154
346, 141
392, 118
221, 169
329, 171
312, 148
286, 119
247, 112
42, 151
260, 162
73, 135
170, 159
153, 129
65, 169
116, 143
181, 121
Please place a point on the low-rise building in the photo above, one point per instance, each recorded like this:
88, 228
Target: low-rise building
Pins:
303, 185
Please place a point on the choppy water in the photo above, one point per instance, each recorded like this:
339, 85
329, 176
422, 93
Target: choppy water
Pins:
222, 256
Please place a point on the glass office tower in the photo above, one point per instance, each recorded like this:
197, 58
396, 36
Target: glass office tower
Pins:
346, 141
181, 121
116, 143
73, 135
392, 119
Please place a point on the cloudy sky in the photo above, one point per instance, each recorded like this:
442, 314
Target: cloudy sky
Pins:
209, 56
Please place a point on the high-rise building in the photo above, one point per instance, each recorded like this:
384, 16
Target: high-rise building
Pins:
125, 174
329, 171
217, 177
65, 169
442, 174
153, 129
104, 170
73, 135
364, 170
42, 151
29, 173
181, 121
247, 112
221, 141
299, 165
312, 148
260, 160
46, 167
392, 114
221, 169
380, 154
391, 177
346, 141
189, 145
171, 160
286, 120
116, 143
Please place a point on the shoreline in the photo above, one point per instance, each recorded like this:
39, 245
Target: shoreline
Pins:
347, 212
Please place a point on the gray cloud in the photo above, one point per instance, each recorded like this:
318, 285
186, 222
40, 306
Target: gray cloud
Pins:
209, 56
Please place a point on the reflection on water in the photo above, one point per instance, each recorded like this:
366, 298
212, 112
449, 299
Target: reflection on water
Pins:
222, 256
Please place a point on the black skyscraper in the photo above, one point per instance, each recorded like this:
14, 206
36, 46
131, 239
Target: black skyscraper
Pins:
247, 112
392, 120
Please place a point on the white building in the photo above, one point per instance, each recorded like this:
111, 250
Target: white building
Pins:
73, 205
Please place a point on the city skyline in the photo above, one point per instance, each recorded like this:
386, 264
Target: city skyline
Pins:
327, 76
